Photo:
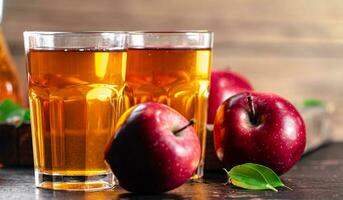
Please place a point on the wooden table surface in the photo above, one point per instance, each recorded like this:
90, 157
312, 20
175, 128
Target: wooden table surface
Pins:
317, 176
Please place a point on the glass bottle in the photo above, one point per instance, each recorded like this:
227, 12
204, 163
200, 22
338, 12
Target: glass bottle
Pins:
9, 80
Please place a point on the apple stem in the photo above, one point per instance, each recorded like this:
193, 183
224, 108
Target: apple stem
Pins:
252, 112
191, 122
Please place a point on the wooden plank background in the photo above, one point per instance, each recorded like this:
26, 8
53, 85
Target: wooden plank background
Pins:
293, 48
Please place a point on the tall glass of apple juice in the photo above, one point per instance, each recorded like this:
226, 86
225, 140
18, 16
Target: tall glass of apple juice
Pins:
75, 83
172, 68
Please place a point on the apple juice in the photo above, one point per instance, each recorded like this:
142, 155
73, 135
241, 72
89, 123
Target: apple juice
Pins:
177, 77
75, 99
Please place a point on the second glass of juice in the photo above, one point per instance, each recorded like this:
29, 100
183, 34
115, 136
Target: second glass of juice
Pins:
172, 68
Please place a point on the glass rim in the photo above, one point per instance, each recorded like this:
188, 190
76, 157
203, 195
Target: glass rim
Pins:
176, 32
138, 32
72, 33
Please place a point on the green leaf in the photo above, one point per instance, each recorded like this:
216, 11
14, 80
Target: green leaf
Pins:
12, 113
254, 177
26, 117
6, 107
313, 103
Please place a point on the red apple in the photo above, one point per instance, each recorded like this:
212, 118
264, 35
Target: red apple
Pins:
155, 149
224, 84
259, 128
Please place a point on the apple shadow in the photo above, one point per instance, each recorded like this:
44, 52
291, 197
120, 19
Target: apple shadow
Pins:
132, 196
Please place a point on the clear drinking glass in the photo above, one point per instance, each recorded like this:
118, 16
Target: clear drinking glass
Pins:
172, 68
75, 83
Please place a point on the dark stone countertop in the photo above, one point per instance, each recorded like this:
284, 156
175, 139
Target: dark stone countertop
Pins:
318, 175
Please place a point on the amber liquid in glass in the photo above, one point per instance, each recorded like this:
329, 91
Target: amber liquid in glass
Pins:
9, 83
175, 77
75, 99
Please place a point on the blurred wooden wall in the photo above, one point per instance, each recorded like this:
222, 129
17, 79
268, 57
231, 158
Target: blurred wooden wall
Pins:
293, 48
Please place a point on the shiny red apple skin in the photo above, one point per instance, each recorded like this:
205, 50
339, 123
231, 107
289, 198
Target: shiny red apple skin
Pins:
277, 140
224, 84
146, 156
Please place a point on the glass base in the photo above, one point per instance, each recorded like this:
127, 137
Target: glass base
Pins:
75, 183
199, 173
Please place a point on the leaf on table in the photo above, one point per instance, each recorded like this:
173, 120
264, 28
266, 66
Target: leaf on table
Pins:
313, 103
254, 177
12, 113
26, 117
6, 107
